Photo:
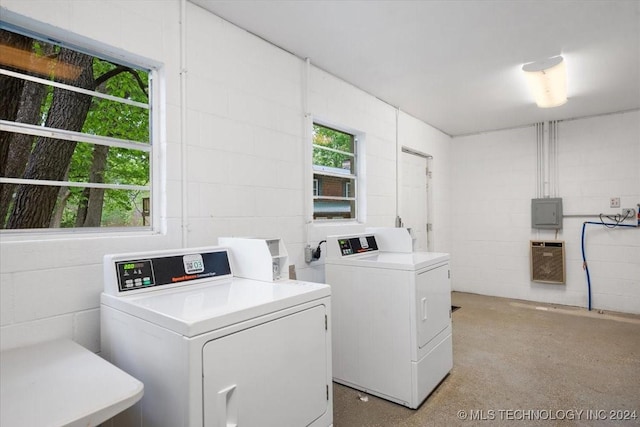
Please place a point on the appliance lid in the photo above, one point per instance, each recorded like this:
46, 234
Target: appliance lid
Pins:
393, 260
197, 309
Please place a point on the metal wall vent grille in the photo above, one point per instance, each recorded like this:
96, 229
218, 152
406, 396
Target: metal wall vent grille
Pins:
547, 261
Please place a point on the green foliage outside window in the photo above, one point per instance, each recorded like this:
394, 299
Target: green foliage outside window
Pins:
27, 157
324, 137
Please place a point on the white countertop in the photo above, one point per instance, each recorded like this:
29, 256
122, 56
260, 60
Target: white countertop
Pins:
60, 383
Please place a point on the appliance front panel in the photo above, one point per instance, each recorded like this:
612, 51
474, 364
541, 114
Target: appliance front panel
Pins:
433, 303
271, 375
432, 368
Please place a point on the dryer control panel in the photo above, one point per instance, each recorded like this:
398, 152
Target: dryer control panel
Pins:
357, 245
137, 273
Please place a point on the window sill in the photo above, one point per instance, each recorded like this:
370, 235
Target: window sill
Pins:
9, 236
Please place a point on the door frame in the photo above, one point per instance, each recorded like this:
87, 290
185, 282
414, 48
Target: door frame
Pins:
429, 224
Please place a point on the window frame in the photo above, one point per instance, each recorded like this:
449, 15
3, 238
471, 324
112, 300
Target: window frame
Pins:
355, 175
347, 189
153, 147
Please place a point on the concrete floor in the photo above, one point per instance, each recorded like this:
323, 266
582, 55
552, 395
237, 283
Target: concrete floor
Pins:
516, 360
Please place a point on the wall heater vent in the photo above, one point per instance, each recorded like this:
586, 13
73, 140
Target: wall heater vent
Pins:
547, 261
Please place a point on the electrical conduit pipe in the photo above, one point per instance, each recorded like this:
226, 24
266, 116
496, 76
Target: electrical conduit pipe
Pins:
584, 257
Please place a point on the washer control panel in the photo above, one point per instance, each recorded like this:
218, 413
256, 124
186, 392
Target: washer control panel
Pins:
357, 245
135, 274
164, 270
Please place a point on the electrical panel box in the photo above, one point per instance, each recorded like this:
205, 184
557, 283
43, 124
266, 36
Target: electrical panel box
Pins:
546, 213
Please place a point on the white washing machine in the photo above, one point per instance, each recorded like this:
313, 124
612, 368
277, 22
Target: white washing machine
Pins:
391, 316
213, 349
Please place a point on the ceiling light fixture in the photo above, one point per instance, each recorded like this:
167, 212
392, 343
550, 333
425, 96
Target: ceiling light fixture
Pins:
547, 81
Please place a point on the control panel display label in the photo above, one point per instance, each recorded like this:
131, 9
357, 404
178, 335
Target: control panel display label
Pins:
345, 247
154, 272
357, 245
135, 274
363, 243
193, 263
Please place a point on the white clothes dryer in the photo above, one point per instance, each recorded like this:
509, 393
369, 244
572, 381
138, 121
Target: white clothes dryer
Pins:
391, 317
213, 349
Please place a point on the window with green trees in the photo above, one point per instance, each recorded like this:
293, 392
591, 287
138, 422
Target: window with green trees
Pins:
334, 174
75, 137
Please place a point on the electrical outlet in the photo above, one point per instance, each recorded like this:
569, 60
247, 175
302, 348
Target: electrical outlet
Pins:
628, 213
308, 254
614, 202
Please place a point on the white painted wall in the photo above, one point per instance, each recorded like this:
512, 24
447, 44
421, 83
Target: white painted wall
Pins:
50, 284
494, 180
245, 171
245, 145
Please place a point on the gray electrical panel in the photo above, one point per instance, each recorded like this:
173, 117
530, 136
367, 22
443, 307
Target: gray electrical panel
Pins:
546, 213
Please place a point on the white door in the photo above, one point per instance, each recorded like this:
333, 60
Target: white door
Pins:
271, 375
414, 198
433, 302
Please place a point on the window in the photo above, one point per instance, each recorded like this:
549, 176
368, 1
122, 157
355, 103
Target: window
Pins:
347, 189
75, 138
334, 174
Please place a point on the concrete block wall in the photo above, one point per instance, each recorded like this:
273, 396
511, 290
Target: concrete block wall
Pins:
335, 103
245, 145
494, 180
50, 284
245, 153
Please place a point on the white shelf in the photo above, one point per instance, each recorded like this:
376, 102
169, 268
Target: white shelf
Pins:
60, 383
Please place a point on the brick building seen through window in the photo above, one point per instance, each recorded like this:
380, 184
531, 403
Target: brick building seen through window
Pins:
334, 174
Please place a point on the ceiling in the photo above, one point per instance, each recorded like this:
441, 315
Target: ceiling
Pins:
457, 65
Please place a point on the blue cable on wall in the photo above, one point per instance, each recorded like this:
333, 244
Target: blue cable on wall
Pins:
584, 257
